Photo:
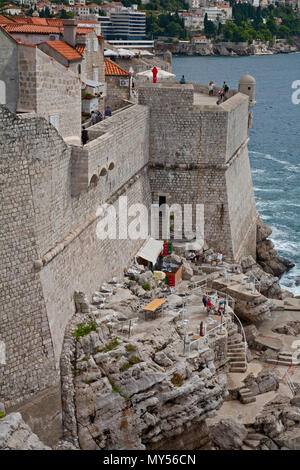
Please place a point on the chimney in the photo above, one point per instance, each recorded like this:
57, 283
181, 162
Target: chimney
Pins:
70, 29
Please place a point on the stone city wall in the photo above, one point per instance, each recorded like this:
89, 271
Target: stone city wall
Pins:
38, 299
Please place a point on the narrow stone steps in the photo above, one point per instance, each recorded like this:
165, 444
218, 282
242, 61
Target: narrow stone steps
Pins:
235, 360
251, 443
255, 436
238, 369
247, 400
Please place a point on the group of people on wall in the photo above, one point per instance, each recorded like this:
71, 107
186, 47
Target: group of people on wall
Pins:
96, 116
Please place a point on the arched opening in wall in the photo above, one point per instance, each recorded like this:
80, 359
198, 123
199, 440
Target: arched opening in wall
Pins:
111, 166
2, 92
103, 172
94, 181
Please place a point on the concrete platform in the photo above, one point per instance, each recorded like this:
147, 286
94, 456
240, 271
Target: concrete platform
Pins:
200, 99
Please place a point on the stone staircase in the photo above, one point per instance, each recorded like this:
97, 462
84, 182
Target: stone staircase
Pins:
285, 358
246, 396
253, 441
236, 354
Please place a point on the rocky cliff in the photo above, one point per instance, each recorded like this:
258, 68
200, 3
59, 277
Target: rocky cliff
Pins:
120, 393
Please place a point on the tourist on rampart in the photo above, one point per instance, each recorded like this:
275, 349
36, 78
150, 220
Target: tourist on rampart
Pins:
204, 300
219, 257
107, 113
84, 136
220, 96
211, 87
182, 80
99, 116
225, 88
93, 118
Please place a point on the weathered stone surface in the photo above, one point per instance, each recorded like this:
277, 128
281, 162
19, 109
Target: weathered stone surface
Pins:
228, 434
16, 435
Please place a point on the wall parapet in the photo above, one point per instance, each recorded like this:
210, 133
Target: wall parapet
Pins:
106, 150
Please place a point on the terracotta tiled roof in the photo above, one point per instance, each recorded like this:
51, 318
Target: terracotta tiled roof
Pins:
80, 48
64, 49
38, 21
21, 19
111, 68
31, 28
84, 30
54, 22
4, 20
88, 21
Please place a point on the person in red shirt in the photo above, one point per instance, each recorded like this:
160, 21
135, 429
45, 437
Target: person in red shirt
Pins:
154, 72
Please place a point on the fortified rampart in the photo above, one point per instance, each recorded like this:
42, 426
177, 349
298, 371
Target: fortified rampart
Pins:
170, 143
198, 155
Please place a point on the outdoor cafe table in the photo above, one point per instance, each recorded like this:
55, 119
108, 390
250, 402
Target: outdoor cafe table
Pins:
153, 307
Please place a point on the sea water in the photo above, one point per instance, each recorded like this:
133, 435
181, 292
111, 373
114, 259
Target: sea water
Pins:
274, 147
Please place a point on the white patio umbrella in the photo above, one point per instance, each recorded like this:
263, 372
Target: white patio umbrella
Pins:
125, 53
110, 53
161, 74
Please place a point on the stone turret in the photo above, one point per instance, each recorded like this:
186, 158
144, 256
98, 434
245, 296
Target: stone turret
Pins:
247, 86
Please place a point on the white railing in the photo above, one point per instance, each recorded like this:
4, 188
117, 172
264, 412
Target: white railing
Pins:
201, 339
288, 380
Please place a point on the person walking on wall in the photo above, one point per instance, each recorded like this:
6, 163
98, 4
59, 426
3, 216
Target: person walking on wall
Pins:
225, 88
93, 118
211, 86
84, 136
107, 113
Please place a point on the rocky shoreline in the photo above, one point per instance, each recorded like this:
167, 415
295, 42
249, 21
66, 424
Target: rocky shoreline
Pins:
228, 49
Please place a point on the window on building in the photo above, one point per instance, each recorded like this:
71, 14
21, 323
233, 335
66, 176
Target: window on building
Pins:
95, 74
79, 69
95, 45
88, 46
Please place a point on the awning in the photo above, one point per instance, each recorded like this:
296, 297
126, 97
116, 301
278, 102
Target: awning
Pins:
151, 250
154, 304
92, 83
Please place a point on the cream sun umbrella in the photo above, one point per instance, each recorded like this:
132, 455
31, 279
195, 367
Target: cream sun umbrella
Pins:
161, 74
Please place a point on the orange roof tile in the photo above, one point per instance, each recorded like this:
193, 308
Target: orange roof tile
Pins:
80, 48
38, 21
4, 20
111, 68
54, 22
64, 49
31, 28
84, 30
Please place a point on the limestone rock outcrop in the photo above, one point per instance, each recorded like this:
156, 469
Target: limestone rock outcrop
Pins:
267, 256
228, 434
17, 435
137, 394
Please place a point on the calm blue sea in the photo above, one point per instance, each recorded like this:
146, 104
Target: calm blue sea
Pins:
274, 146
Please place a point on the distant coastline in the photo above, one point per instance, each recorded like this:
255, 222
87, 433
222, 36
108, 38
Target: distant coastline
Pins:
227, 49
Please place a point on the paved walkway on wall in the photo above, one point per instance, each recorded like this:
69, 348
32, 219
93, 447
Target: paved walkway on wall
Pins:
200, 99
